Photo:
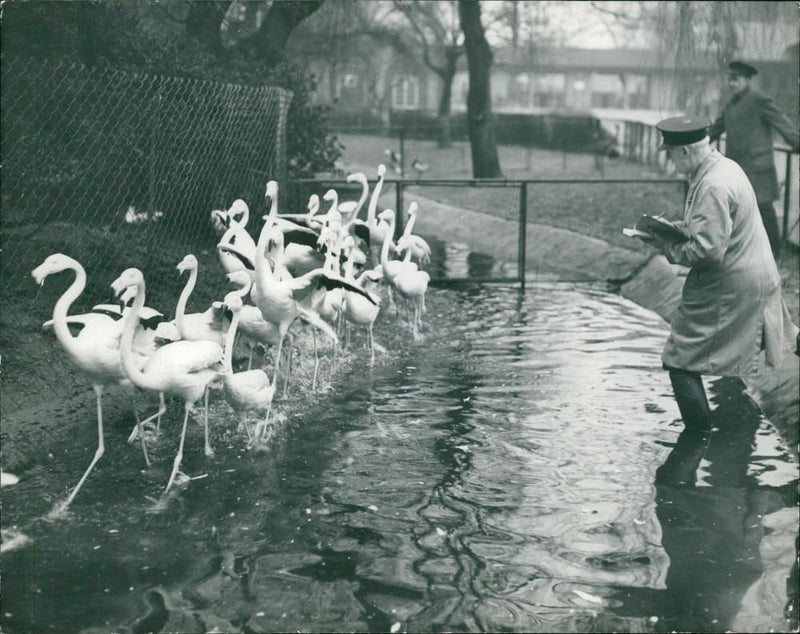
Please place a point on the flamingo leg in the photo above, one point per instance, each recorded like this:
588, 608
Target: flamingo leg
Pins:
316, 363
140, 430
243, 423
277, 360
98, 390
262, 425
179, 456
207, 448
371, 345
162, 407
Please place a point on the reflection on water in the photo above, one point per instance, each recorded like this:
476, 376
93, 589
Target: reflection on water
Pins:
520, 468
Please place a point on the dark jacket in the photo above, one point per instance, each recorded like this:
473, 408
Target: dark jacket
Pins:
748, 120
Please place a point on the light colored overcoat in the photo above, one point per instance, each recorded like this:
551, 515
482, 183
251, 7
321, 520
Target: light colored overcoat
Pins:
731, 308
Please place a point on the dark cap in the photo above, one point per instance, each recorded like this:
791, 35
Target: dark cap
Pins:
682, 131
740, 68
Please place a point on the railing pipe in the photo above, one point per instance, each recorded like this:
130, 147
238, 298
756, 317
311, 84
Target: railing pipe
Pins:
786, 194
523, 234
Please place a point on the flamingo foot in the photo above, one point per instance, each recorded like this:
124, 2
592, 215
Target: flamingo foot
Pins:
149, 429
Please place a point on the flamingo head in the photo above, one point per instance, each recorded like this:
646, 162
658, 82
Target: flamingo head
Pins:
128, 278
275, 239
331, 195
127, 296
239, 208
188, 263
313, 204
387, 215
357, 177
54, 263
412, 208
272, 189
241, 279
220, 220
233, 301
382, 169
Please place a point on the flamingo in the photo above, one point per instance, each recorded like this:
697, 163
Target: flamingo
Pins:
278, 298
310, 220
235, 233
180, 368
412, 284
371, 230
253, 328
351, 208
419, 249
301, 242
419, 167
356, 308
208, 325
249, 391
95, 350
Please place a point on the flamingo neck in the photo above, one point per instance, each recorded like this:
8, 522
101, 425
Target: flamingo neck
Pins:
373, 201
126, 342
263, 272
410, 225
180, 309
63, 304
230, 336
386, 241
363, 199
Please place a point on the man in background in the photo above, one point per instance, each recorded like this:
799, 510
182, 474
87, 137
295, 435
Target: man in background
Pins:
748, 120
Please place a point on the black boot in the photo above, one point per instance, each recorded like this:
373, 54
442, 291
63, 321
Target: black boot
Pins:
692, 401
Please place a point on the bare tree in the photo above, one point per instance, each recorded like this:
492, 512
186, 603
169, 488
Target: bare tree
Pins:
437, 30
485, 161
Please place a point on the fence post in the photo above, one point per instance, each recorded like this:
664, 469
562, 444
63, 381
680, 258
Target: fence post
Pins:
523, 231
787, 188
402, 152
398, 193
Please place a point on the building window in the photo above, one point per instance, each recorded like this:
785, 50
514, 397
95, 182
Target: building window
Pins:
607, 91
548, 90
405, 93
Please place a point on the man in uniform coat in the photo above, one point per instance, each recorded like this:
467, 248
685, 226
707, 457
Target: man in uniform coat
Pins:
731, 320
748, 120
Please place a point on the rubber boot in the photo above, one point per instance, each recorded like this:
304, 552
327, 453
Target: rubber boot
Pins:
680, 467
692, 402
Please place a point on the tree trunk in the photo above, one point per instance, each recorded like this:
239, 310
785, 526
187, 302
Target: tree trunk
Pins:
445, 101
485, 162
283, 17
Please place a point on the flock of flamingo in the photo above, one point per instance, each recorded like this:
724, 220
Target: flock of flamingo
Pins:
326, 270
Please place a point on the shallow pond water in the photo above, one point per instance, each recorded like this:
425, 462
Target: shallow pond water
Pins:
518, 468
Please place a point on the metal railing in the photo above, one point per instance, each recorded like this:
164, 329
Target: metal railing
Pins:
524, 187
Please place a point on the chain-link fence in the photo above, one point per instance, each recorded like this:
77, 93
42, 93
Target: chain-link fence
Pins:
105, 150
117, 169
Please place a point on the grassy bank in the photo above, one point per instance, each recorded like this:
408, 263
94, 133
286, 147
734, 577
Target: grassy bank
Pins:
597, 209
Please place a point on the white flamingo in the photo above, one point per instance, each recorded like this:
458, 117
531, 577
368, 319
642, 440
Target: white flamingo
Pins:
253, 328
357, 309
418, 248
236, 233
208, 325
248, 391
371, 230
180, 368
351, 208
95, 351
